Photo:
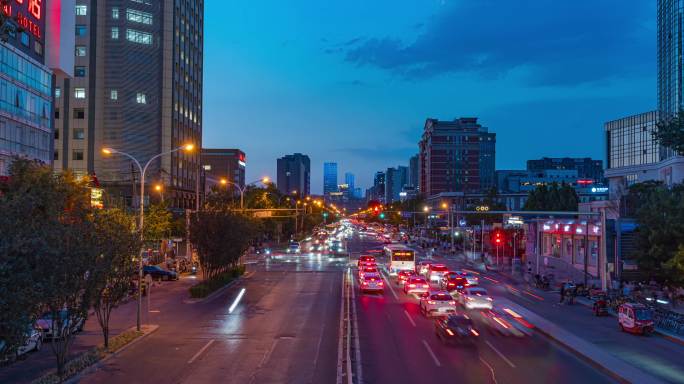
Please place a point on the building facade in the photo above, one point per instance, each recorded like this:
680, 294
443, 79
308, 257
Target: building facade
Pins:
329, 178
634, 156
350, 180
228, 164
586, 168
395, 181
414, 171
137, 88
669, 42
294, 174
456, 156
30, 56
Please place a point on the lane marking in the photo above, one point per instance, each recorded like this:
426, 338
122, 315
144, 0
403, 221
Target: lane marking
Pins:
389, 285
501, 355
154, 311
357, 347
409, 318
533, 295
207, 345
490, 279
237, 300
341, 332
490, 369
427, 346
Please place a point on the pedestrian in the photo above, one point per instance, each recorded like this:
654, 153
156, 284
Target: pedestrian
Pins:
562, 293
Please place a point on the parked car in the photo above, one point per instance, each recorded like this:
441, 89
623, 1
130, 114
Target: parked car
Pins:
51, 328
32, 342
159, 273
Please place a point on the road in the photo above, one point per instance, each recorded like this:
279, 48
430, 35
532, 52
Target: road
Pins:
283, 330
398, 345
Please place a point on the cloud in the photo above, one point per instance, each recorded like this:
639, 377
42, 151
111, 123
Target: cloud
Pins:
547, 42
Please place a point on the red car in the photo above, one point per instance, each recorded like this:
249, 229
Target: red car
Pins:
403, 276
453, 281
363, 271
416, 284
366, 260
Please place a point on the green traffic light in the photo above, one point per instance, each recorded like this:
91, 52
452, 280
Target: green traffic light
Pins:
382, 215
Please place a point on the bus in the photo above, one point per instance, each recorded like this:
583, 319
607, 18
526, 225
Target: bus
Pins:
399, 257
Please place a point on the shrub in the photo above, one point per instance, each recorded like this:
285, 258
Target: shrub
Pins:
206, 287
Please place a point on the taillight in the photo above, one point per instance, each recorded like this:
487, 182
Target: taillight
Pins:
474, 332
430, 302
490, 299
412, 285
426, 286
364, 283
380, 283
449, 332
452, 284
469, 298
452, 303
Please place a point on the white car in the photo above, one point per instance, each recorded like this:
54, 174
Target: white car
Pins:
50, 330
371, 282
293, 248
475, 298
416, 284
472, 279
438, 303
436, 271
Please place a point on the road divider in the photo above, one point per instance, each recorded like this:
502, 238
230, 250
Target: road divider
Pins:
432, 354
199, 353
408, 316
237, 300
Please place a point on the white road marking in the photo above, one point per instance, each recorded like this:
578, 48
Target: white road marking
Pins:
389, 285
409, 318
341, 334
237, 300
427, 346
357, 347
207, 345
490, 369
501, 355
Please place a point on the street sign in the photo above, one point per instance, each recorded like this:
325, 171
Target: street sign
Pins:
462, 222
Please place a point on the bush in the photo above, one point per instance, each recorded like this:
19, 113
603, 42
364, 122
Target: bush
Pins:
205, 288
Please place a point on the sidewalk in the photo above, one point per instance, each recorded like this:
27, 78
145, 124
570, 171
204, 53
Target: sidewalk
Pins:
630, 358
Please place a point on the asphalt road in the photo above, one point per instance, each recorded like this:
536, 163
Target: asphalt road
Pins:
283, 330
398, 345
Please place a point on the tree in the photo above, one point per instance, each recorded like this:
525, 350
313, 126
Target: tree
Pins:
660, 230
221, 238
670, 132
158, 222
554, 198
114, 269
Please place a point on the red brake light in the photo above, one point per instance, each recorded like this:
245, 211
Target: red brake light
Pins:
430, 302
412, 285
380, 283
426, 286
452, 302
449, 332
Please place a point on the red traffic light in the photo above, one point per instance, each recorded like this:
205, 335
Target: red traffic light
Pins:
498, 238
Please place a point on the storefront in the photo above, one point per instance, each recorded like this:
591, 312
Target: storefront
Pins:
573, 242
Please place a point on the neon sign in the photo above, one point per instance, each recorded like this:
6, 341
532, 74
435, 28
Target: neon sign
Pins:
28, 14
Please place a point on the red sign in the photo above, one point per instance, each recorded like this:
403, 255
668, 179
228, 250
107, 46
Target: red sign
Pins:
29, 15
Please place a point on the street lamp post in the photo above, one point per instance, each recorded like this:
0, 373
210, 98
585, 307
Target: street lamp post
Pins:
264, 180
143, 170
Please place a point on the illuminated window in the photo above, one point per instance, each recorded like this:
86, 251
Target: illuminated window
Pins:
79, 93
80, 50
79, 134
113, 94
141, 98
138, 16
58, 92
138, 36
81, 10
81, 30
24, 38
79, 71
115, 33
115, 13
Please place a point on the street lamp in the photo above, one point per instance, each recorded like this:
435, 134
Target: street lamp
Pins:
263, 180
143, 170
159, 188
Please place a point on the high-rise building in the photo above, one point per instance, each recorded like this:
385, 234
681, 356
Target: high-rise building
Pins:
349, 180
329, 178
633, 155
137, 88
377, 191
228, 164
456, 156
586, 168
414, 171
395, 180
294, 174
670, 46
34, 47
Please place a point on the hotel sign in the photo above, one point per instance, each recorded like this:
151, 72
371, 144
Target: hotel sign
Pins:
28, 14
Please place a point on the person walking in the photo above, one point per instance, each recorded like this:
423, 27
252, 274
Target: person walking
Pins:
562, 293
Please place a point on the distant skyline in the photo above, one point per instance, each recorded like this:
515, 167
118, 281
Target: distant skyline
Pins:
353, 82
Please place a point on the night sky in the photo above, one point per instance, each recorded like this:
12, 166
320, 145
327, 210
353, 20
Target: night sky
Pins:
353, 81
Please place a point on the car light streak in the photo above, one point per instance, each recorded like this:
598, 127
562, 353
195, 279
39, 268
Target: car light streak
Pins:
237, 300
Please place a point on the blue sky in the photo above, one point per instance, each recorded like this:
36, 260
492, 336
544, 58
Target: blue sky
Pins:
353, 81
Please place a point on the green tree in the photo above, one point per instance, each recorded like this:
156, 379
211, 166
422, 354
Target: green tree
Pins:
670, 132
117, 244
221, 238
660, 230
158, 222
557, 197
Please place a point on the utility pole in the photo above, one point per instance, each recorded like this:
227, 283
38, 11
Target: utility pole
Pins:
482, 241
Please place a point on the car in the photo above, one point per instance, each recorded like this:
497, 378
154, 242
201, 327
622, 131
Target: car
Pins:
456, 329
475, 298
452, 282
366, 270
158, 272
416, 284
422, 267
33, 340
50, 328
336, 246
436, 271
371, 282
472, 279
366, 260
403, 276
437, 303
293, 247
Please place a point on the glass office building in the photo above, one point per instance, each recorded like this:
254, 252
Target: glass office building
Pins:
630, 141
329, 178
669, 13
25, 108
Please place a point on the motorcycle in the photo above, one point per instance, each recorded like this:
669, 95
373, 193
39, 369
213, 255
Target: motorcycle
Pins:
600, 307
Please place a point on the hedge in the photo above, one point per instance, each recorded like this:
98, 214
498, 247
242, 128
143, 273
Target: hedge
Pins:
206, 287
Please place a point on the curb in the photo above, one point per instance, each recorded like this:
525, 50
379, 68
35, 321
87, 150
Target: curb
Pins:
91, 369
219, 291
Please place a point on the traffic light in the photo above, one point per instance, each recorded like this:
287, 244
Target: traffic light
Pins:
382, 215
498, 238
